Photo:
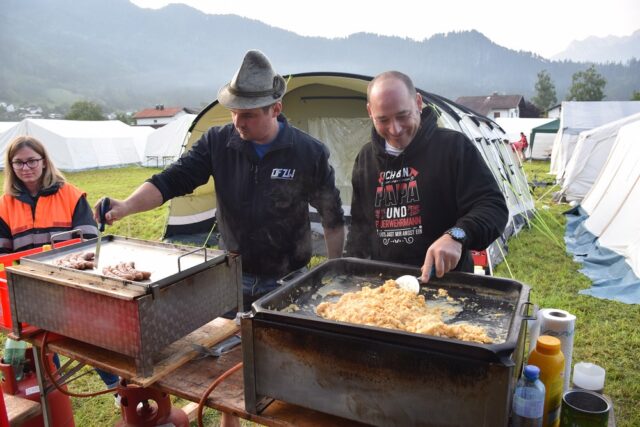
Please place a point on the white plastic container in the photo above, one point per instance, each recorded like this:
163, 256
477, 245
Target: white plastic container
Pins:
588, 376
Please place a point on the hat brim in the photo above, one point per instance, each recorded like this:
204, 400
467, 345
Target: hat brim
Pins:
231, 101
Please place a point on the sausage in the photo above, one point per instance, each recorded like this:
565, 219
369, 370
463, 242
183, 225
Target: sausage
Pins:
127, 271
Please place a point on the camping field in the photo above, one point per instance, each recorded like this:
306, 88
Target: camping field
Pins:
606, 331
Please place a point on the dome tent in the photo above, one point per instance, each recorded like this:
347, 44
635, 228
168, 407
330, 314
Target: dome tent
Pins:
332, 107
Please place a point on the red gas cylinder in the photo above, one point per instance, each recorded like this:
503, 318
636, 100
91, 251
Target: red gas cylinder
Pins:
59, 404
147, 407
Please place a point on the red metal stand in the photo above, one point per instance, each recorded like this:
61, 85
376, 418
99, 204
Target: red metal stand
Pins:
146, 407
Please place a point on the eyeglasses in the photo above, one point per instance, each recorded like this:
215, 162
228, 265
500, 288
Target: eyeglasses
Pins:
31, 163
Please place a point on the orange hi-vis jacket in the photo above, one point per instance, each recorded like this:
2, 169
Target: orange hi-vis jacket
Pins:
32, 224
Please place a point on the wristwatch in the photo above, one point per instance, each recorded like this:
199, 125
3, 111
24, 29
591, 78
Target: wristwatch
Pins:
457, 234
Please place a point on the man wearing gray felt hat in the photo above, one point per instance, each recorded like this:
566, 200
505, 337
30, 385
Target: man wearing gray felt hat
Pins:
266, 174
254, 85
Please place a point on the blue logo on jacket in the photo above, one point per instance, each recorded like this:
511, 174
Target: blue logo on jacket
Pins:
279, 173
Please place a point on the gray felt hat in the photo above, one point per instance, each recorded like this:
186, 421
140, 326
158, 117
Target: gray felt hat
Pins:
254, 85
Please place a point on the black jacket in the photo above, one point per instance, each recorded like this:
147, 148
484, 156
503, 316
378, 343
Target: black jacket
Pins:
262, 204
401, 205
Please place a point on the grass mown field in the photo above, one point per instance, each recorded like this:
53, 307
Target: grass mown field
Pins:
606, 332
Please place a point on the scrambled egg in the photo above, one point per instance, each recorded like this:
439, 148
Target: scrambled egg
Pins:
388, 306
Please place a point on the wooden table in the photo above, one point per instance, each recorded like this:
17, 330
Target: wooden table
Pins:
185, 373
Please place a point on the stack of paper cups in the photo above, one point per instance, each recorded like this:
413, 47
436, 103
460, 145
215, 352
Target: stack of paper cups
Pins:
560, 324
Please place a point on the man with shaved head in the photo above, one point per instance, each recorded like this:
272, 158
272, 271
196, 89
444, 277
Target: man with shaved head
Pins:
422, 194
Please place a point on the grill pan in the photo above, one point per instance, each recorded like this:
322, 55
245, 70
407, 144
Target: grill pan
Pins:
188, 288
495, 304
380, 376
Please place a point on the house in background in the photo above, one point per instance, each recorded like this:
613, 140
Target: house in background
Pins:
494, 106
554, 112
160, 116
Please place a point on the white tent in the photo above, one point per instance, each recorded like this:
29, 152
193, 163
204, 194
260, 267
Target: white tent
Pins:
5, 126
165, 144
606, 237
577, 117
590, 153
77, 145
140, 138
514, 125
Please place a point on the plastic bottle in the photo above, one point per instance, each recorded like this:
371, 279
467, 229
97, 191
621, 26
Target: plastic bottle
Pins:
548, 357
14, 355
528, 400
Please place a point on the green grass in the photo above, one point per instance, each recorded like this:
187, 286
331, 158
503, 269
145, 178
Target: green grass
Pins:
606, 331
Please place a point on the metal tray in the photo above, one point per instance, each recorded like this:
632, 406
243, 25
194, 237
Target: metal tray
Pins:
167, 263
379, 376
187, 289
493, 303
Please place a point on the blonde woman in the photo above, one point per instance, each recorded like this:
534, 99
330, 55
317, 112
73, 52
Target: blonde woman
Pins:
38, 202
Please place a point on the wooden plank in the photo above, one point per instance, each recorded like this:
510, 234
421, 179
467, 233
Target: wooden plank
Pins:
189, 379
191, 409
20, 410
192, 379
83, 281
169, 359
181, 351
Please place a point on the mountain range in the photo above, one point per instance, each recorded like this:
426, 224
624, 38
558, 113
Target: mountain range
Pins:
603, 49
54, 52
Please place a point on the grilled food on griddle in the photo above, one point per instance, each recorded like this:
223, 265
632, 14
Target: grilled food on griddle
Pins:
127, 271
77, 261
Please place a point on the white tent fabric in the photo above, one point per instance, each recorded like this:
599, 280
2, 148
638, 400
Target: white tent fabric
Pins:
344, 136
591, 152
514, 125
614, 202
604, 232
79, 145
5, 126
165, 144
616, 186
577, 117
140, 138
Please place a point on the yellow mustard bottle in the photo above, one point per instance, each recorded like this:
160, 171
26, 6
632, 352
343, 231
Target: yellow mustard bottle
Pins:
548, 357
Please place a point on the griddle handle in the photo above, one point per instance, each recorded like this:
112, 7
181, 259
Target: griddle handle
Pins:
53, 236
105, 206
189, 253
524, 311
289, 277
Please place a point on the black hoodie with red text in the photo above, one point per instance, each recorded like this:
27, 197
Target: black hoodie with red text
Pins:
402, 204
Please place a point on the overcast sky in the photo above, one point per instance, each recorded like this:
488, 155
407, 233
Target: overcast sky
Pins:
545, 27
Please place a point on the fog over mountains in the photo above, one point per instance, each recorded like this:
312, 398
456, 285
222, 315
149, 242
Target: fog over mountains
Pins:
55, 52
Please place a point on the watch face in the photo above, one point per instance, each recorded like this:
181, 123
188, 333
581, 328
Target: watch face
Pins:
457, 233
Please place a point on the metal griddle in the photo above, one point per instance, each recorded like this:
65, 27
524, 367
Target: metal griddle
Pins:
167, 263
188, 288
384, 376
483, 307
